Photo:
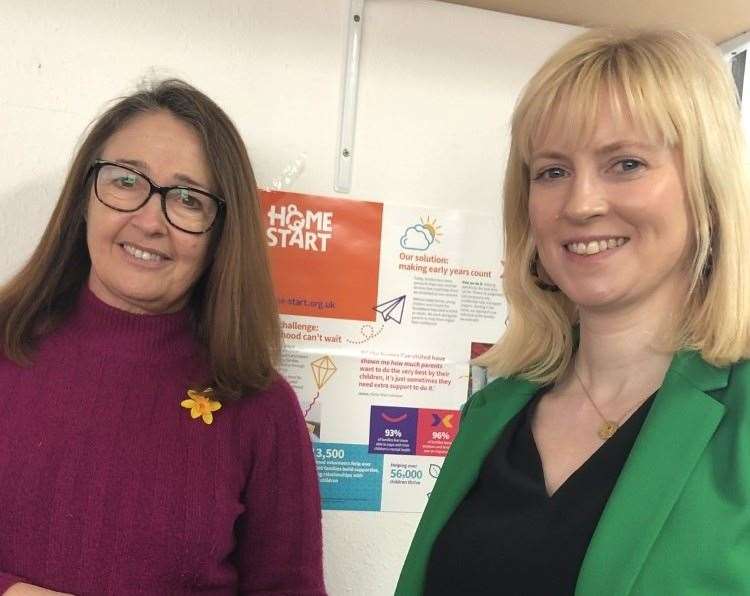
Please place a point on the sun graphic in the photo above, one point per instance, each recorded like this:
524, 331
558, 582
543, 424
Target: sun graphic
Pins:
432, 228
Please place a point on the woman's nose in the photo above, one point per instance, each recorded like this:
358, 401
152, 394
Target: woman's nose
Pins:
587, 197
150, 217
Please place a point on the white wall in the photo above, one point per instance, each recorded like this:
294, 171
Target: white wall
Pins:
437, 85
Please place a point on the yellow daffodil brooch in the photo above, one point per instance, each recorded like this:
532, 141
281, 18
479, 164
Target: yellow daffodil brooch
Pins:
201, 405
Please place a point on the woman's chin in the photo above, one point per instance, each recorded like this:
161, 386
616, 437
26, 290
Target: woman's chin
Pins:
595, 298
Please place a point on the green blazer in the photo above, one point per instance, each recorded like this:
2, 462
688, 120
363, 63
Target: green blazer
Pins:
678, 520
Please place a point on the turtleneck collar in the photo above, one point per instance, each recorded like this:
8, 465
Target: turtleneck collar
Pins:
107, 328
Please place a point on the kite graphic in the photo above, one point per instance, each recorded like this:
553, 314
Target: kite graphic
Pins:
323, 369
392, 310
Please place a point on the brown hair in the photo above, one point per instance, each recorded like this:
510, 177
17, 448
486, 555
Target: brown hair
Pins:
234, 308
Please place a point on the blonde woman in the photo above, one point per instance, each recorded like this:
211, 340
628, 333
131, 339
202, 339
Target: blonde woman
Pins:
613, 454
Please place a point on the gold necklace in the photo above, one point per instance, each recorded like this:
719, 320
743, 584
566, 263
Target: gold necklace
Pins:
609, 427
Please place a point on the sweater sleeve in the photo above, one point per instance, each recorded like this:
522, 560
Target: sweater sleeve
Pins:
7, 580
279, 541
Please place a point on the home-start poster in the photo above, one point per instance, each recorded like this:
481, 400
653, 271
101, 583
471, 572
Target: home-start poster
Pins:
382, 307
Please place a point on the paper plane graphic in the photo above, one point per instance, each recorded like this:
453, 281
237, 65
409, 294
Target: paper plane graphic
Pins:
392, 310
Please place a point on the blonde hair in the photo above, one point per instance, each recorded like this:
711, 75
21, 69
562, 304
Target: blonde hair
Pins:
677, 88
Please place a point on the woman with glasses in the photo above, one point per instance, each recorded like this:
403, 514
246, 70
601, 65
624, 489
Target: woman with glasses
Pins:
147, 446
612, 455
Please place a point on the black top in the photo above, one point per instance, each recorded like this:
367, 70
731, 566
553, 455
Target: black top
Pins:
508, 536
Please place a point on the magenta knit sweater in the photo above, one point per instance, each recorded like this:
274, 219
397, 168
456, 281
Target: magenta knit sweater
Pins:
108, 486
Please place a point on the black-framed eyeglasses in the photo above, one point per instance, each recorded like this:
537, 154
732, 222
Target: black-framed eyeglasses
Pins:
125, 189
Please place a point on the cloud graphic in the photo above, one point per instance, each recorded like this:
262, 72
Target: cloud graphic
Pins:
417, 238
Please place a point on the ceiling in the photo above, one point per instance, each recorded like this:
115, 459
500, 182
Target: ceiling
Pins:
720, 20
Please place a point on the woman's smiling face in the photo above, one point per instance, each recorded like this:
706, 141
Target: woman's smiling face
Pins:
139, 262
610, 218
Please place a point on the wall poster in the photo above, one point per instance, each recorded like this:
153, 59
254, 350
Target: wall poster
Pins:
382, 307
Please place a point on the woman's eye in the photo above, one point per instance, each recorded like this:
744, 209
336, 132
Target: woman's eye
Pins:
628, 165
551, 174
188, 200
127, 181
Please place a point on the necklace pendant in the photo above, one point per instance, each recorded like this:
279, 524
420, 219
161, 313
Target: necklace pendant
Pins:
607, 430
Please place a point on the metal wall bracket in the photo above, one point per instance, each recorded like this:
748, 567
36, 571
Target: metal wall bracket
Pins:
347, 123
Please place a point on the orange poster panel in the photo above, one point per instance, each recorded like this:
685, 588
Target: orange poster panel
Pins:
325, 254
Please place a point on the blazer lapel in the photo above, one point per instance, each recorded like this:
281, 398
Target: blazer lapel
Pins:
675, 433
489, 412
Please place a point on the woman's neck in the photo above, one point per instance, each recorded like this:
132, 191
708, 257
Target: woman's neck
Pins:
622, 354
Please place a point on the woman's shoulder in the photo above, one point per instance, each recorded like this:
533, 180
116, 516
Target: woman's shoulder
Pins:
276, 401
741, 369
499, 388
739, 377
502, 385
266, 421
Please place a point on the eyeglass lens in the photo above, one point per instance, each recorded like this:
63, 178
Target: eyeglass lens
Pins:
126, 190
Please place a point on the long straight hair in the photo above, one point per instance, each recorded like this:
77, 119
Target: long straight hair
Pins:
678, 89
234, 309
